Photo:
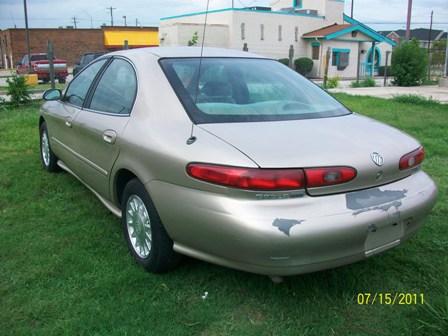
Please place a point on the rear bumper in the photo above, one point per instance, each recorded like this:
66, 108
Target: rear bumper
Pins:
297, 235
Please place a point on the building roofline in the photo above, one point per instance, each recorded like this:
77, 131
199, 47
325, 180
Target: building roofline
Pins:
131, 28
378, 36
248, 10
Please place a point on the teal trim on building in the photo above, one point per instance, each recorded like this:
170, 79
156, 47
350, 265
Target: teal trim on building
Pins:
297, 4
359, 28
377, 60
340, 50
315, 44
242, 10
379, 37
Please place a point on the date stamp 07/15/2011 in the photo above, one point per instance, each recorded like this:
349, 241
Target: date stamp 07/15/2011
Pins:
390, 298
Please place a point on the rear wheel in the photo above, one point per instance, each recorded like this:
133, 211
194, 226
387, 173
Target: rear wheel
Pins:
145, 235
48, 158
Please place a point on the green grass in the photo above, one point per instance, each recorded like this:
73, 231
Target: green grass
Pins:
415, 99
38, 87
65, 269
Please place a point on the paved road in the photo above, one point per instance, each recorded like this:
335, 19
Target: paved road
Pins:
431, 92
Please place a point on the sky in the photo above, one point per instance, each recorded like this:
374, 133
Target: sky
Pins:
379, 14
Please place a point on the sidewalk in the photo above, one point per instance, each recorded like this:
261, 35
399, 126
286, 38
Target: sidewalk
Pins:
430, 92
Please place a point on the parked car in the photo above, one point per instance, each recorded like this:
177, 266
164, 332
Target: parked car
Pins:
84, 60
41, 67
251, 166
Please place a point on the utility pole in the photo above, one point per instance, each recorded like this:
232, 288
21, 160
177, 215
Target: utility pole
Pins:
445, 73
124, 18
233, 3
429, 47
136, 22
408, 21
351, 11
27, 32
111, 9
75, 22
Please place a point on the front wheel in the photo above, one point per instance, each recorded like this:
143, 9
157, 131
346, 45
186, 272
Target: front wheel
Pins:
48, 158
145, 235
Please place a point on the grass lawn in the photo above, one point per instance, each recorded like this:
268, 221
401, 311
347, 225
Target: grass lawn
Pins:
38, 87
65, 269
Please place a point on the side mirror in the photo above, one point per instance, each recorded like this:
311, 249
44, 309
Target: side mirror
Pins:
52, 94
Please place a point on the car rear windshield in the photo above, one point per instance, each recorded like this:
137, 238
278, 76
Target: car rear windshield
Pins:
246, 89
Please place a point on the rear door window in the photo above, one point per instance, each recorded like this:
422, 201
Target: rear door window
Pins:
116, 90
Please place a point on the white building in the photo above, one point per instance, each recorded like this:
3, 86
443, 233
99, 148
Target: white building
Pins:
311, 27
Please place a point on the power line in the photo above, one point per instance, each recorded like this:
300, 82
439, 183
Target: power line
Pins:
111, 9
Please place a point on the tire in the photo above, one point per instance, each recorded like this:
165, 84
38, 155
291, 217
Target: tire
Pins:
159, 256
47, 157
61, 80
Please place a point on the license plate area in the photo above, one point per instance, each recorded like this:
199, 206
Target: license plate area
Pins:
387, 234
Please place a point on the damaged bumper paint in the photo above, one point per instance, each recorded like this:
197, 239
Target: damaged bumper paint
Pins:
297, 235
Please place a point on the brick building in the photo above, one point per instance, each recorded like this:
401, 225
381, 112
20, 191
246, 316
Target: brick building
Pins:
70, 44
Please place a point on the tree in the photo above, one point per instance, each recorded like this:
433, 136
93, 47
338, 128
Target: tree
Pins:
194, 40
409, 64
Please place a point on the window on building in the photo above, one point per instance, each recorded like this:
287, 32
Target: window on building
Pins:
243, 31
116, 89
340, 58
315, 51
296, 34
280, 33
262, 32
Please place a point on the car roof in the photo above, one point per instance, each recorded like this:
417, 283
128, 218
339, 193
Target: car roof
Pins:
94, 53
172, 52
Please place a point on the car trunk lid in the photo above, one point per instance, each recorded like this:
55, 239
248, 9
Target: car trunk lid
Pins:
352, 140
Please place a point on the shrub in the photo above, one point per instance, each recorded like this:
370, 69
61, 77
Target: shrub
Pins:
18, 90
284, 61
194, 40
415, 100
303, 65
366, 82
333, 82
409, 64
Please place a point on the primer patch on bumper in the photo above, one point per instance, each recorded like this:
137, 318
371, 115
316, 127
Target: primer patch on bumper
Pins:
374, 199
285, 225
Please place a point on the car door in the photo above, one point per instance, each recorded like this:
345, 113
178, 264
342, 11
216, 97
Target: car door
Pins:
60, 115
101, 123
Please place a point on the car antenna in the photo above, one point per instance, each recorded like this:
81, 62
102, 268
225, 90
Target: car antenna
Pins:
192, 138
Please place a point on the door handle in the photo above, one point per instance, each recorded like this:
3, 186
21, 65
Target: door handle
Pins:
109, 136
68, 122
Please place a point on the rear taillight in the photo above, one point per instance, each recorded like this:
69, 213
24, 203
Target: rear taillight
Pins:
270, 179
412, 159
248, 178
320, 177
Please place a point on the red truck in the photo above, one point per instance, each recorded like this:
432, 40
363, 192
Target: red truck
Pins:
41, 67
